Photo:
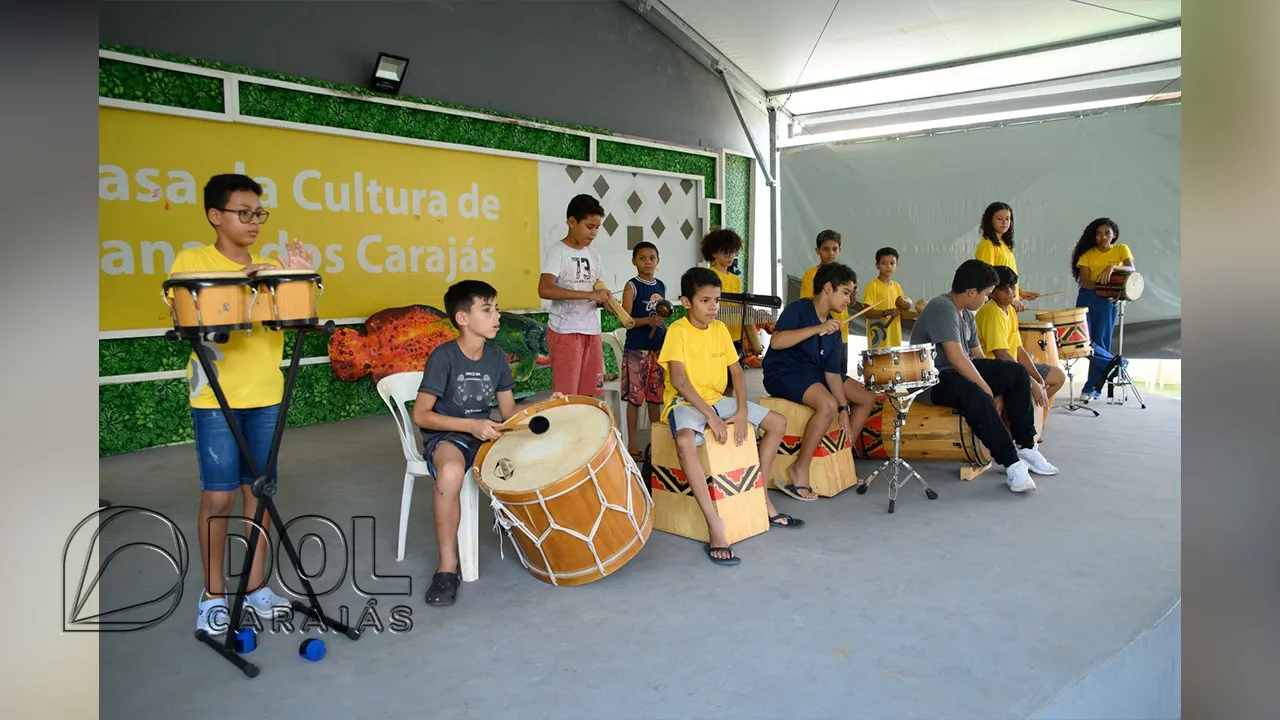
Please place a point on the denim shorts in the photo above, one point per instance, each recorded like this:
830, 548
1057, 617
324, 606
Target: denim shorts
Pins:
222, 467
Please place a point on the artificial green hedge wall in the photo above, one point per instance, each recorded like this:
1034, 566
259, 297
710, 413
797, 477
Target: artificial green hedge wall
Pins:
138, 415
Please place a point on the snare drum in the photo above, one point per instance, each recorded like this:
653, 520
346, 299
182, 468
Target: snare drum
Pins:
1040, 341
287, 298
208, 302
1072, 330
1124, 285
571, 499
899, 370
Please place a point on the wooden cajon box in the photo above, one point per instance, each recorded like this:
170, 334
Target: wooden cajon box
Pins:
737, 489
832, 470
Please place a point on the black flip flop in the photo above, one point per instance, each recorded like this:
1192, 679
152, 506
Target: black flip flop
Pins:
733, 560
443, 590
793, 491
784, 520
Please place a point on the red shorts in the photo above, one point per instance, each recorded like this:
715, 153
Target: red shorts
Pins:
642, 377
577, 363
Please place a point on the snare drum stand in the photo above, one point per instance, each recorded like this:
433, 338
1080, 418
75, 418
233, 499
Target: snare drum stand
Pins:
900, 403
1071, 405
263, 489
1121, 378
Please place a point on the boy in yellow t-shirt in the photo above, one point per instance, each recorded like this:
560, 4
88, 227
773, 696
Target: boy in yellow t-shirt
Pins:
828, 248
889, 303
1000, 339
248, 371
694, 355
720, 248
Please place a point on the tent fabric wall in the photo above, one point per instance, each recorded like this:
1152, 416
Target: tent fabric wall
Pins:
925, 195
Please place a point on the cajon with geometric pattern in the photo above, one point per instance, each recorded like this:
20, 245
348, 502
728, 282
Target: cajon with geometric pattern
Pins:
832, 469
733, 478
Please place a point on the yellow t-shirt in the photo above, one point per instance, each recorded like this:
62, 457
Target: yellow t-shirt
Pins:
706, 356
806, 291
248, 364
730, 283
998, 329
883, 332
1096, 261
991, 254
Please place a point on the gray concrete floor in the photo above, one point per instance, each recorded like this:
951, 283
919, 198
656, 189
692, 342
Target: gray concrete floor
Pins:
980, 604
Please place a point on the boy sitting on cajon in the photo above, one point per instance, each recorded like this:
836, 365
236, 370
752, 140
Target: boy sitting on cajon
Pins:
695, 355
803, 365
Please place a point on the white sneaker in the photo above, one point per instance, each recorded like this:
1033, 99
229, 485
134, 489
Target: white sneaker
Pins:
214, 614
264, 600
1035, 461
1019, 479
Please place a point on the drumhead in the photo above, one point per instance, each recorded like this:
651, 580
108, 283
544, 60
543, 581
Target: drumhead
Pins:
899, 349
1133, 285
228, 276
283, 274
1041, 326
576, 434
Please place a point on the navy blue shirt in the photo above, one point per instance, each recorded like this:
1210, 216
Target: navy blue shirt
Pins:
646, 299
811, 357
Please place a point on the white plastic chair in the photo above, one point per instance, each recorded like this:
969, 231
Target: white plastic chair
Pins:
396, 391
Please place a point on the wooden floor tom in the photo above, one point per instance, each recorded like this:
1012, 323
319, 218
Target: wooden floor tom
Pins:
287, 298
209, 302
899, 370
1072, 329
571, 499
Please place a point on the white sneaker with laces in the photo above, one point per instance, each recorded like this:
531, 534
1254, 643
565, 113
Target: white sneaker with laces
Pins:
1035, 461
264, 600
214, 614
1019, 479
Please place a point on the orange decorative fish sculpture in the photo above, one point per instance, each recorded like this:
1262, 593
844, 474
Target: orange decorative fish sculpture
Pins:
401, 339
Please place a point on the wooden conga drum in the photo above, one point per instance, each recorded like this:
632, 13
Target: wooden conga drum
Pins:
1041, 343
571, 499
287, 298
209, 302
1072, 329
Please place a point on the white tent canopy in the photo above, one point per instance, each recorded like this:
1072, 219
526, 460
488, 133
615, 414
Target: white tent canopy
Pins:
835, 72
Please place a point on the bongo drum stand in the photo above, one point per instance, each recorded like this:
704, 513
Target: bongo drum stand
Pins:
902, 404
263, 489
1121, 378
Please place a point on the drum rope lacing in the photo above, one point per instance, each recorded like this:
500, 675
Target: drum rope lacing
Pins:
504, 519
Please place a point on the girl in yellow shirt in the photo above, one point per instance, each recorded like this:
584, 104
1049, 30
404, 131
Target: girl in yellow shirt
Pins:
720, 248
1098, 254
996, 246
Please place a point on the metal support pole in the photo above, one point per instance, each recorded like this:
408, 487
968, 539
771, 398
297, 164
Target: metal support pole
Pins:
775, 236
733, 100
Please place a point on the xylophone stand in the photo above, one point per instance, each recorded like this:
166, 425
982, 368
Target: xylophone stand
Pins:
263, 489
1121, 378
1071, 405
902, 404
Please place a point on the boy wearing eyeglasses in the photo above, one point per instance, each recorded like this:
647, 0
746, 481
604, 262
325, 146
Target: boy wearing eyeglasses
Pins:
248, 370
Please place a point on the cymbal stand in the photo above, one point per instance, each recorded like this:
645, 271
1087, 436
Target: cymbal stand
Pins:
893, 467
264, 490
1121, 378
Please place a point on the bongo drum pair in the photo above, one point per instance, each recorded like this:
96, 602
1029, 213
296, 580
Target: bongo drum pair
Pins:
570, 497
210, 302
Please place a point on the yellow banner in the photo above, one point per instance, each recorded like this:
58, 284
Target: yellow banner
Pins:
388, 224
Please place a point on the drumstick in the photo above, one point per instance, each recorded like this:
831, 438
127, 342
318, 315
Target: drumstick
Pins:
537, 425
1048, 294
614, 305
860, 312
